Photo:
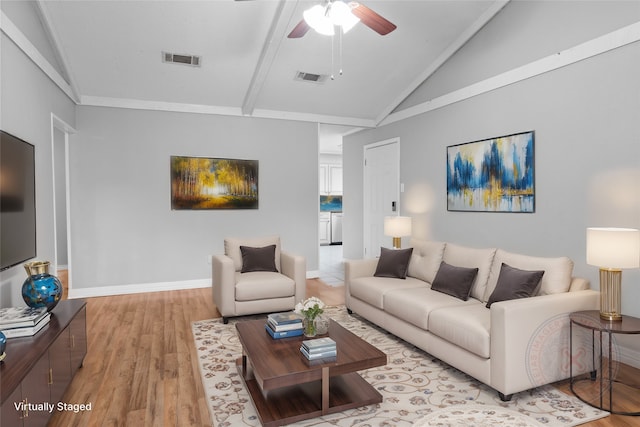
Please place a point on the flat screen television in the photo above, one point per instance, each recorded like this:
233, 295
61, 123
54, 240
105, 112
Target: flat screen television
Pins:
17, 201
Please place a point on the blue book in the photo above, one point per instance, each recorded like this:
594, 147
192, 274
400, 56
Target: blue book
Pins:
284, 318
325, 355
283, 334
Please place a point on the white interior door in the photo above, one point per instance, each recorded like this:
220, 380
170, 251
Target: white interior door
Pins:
381, 192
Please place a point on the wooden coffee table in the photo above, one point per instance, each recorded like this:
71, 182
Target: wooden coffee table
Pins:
285, 387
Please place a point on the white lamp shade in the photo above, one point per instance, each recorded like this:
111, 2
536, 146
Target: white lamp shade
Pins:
613, 247
397, 226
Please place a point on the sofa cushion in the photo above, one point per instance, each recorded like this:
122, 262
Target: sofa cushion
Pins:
481, 259
454, 281
465, 326
258, 259
263, 285
393, 263
373, 289
514, 283
415, 305
232, 248
556, 278
425, 259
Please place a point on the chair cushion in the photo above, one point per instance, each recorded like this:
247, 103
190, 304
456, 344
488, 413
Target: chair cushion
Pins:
466, 326
393, 263
263, 285
425, 259
514, 283
258, 259
232, 248
454, 281
481, 259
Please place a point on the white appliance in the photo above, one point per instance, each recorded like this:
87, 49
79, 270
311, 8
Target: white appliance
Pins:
336, 227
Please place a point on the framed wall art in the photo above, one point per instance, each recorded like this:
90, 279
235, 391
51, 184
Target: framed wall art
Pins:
492, 175
212, 183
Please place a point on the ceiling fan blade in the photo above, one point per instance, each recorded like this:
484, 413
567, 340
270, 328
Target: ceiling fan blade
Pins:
371, 19
299, 30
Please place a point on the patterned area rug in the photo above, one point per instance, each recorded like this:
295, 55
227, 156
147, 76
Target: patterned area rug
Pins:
417, 388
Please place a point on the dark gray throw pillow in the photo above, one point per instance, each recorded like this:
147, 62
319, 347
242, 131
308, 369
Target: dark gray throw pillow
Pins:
514, 283
454, 281
258, 259
393, 263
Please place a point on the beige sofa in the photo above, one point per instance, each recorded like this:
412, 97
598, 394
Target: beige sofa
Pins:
238, 293
512, 346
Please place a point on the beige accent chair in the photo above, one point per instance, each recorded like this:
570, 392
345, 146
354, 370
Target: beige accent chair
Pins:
238, 294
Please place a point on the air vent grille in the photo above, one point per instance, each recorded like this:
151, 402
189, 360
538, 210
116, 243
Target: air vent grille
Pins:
175, 58
310, 77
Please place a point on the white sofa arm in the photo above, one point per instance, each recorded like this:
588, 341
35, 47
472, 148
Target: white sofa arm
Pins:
354, 268
223, 283
295, 267
530, 339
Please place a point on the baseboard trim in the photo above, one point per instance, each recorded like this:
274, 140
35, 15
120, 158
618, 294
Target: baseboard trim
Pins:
104, 291
138, 288
629, 356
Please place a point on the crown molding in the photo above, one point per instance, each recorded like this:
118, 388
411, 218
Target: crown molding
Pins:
137, 104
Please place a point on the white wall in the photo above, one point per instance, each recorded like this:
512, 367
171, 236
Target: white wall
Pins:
124, 233
587, 148
27, 102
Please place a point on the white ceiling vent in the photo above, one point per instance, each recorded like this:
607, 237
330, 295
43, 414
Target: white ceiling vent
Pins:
310, 77
181, 59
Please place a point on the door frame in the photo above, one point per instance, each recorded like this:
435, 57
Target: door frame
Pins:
395, 141
67, 130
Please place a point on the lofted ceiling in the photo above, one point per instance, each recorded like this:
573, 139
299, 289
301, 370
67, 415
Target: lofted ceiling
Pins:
111, 53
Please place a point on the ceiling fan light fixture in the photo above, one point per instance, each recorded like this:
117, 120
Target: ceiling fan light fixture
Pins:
318, 20
341, 16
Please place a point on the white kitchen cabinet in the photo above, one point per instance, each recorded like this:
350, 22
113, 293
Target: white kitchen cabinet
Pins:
330, 179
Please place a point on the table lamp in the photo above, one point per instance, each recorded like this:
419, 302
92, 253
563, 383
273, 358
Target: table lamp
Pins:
612, 249
397, 227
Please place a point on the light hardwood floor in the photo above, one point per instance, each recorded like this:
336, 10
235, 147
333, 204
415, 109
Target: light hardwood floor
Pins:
141, 367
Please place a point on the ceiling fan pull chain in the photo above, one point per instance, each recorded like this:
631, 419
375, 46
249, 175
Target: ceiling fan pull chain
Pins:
340, 59
332, 58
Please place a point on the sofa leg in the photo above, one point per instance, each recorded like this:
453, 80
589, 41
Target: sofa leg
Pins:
225, 320
505, 398
349, 311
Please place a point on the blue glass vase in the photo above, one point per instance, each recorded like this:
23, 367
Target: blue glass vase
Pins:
3, 345
41, 289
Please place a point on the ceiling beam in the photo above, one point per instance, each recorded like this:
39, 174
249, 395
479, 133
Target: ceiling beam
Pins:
58, 51
477, 25
277, 32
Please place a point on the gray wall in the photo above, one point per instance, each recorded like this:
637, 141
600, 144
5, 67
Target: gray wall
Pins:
123, 230
27, 102
587, 147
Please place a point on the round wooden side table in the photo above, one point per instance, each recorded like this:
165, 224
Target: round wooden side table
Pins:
608, 383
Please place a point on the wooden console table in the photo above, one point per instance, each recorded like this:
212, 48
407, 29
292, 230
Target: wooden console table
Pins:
38, 369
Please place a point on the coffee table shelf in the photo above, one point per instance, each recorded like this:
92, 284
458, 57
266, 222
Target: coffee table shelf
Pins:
286, 388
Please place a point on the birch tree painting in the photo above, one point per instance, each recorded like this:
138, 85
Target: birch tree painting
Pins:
210, 183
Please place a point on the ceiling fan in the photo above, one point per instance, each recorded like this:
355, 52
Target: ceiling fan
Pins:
323, 18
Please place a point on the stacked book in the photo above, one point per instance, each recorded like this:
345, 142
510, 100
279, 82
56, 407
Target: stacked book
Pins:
319, 348
284, 325
23, 321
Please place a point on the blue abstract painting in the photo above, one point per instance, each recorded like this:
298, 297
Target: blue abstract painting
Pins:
492, 175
